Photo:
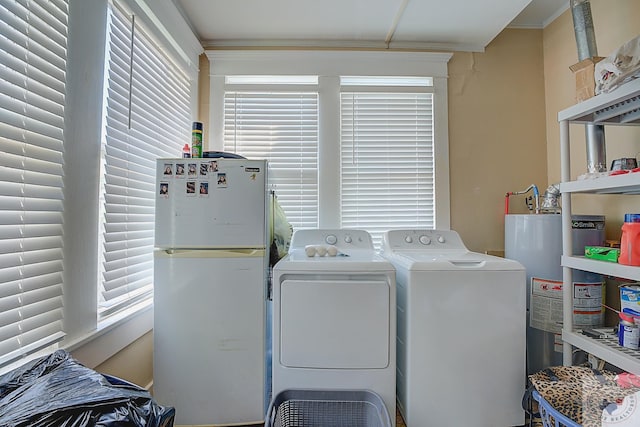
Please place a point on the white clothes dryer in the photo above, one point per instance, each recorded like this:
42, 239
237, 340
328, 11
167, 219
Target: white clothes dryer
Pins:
334, 317
461, 332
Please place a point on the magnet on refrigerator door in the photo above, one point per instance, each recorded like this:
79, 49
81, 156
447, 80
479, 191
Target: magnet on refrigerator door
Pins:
204, 189
164, 190
191, 188
179, 170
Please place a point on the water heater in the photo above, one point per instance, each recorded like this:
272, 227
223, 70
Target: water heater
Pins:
535, 240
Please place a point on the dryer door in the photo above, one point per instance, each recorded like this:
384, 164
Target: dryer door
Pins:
341, 324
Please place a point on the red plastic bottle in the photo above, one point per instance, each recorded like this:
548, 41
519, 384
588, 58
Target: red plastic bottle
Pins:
630, 240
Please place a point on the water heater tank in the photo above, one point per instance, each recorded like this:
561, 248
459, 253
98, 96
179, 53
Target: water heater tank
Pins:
535, 240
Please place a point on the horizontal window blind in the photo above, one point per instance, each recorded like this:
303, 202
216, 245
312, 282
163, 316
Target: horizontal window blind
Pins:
387, 161
147, 116
281, 127
33, 48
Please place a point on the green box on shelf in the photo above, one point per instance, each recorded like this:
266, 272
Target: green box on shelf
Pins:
602, 253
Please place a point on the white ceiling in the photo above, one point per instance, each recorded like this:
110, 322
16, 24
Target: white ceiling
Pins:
425, 24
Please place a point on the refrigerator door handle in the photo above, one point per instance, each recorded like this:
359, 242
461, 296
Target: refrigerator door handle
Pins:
211, 253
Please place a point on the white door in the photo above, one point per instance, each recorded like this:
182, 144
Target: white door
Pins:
334, 324
209, 336
204, 203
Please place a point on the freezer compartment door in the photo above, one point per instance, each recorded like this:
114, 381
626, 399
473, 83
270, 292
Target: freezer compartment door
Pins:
210, 203
335, 324
209, 336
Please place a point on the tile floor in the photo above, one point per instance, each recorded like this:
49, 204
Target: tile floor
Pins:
536, 422
399, 422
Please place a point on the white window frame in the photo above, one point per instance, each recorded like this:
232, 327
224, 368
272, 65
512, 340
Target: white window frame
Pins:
329, 65
90, 342
147, 117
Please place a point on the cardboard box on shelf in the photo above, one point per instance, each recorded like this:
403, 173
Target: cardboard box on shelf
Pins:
602, 253
584, 72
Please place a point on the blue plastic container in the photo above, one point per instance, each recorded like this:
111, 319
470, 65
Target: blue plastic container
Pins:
631, 217
550, 416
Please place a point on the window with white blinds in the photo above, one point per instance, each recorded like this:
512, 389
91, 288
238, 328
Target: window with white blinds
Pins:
33, 48
147, 115
281, 127
387, 161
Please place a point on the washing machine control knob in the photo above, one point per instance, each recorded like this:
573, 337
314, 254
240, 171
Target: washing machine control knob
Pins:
441, 239
408, 239
331, 239
425, 240
348, 239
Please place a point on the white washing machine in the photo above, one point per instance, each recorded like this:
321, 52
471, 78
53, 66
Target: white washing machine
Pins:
461, 332
334, 317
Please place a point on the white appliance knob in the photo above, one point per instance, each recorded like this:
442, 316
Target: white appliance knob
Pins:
408, 239
332, 251
425, 240
321, 250
348, 239
441, 239
331, 239
310, 250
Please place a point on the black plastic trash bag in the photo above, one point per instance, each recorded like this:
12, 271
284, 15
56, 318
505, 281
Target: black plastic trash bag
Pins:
56, 390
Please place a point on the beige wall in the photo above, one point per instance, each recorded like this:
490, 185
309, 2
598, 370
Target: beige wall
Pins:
615, 22
503, 129
496, 134
203, 100
134, 363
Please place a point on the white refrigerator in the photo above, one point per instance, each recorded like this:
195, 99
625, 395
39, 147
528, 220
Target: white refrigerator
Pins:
210, 290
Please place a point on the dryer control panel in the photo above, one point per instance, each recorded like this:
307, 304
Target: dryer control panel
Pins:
423, 240
340, 238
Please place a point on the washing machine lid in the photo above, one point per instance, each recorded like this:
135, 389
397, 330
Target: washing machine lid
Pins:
426, 260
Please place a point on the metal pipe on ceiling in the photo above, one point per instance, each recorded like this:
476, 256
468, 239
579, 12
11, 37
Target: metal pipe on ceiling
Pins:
394, 23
